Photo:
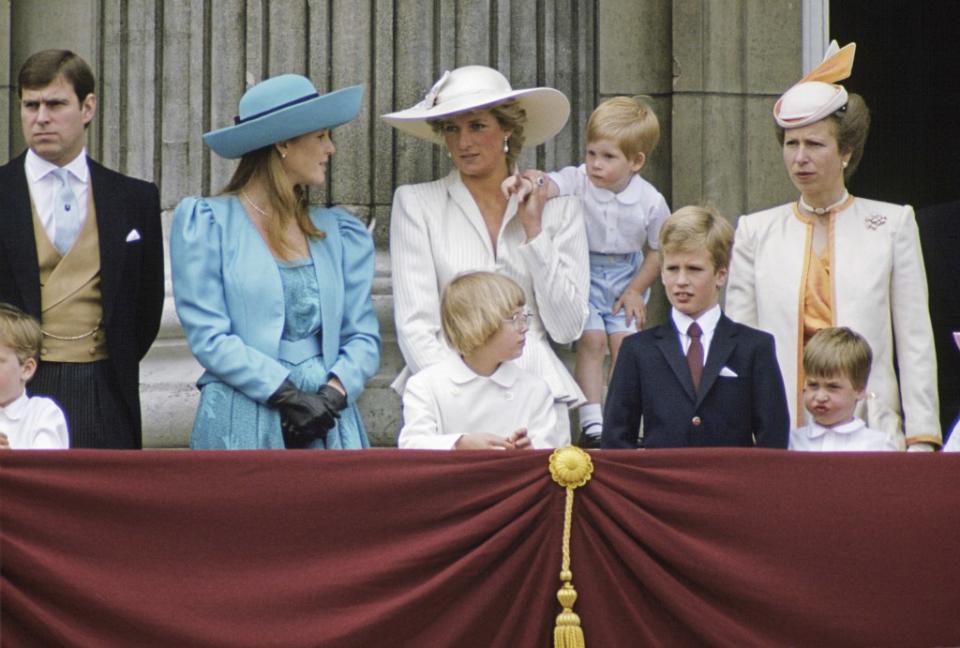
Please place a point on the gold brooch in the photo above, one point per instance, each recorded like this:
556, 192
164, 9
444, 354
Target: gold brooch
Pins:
874, 221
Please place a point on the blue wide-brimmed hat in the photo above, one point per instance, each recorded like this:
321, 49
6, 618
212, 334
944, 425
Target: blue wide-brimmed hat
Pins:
282, 108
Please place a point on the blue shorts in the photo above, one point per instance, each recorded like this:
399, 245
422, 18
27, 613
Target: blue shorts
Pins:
610, 274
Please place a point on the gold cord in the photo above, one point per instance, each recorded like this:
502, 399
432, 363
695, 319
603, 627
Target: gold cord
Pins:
570, 467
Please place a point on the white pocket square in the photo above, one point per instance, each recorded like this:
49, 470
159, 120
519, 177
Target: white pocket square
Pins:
134, 235
728, 372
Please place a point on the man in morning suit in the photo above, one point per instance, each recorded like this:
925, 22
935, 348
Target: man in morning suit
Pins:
81, 251
701, 379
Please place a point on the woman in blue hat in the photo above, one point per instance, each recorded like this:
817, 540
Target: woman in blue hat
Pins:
273, 294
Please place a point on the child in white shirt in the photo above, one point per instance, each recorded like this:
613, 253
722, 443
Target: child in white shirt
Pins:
836, 366
623, 214
25, 422
480, 399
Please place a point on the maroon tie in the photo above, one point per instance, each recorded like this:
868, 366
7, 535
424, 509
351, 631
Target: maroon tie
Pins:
695, 355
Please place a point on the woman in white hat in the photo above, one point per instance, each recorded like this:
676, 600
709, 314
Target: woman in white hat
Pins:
463, 223
273, 294
832, 259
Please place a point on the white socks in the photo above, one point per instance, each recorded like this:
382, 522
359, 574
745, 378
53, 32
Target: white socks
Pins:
591, 419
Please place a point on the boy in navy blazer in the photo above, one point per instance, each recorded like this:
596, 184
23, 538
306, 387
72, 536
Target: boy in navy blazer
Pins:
700, 379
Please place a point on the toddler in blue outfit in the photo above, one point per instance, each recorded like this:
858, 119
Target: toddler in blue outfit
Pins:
623, 214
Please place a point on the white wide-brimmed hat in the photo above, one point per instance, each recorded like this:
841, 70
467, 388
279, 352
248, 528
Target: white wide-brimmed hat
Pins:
473, 87
816, 95
281, 108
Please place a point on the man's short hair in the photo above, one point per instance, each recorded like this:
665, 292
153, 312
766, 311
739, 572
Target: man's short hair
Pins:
838, 350
693, 228
42, 69
474, 306
20, 332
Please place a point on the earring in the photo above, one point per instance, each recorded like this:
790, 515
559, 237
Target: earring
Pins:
506, 146
283, 156
845, 163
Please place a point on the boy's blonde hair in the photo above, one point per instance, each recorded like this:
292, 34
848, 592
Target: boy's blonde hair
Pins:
628, 121
20, 332
474, 306
693, 228
838, 350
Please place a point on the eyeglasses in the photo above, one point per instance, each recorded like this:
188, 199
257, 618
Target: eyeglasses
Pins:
519, 320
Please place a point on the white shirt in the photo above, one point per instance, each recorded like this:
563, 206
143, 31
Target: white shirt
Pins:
34, 423
617, 223
448, 399
853, 436
44, 187
708, 324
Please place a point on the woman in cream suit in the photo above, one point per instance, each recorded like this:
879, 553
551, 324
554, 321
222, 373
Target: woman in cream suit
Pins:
832, 259
464, 223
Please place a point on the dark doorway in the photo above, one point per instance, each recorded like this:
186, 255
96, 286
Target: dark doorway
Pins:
908, 70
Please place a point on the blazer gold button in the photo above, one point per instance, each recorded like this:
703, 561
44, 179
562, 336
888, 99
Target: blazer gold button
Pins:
43, 351
696, 421
93, 350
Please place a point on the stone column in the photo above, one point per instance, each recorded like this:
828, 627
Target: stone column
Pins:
34, 26
732, 59
7, 91
634, 59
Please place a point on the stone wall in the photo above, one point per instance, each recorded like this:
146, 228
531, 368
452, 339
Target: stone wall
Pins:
170, 70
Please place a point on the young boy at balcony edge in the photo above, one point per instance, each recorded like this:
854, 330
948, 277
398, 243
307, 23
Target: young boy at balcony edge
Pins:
836, 366
480, 399
701, 379
25, 422
623, 214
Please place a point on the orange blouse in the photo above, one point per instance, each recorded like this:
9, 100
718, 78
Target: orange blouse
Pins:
816, 294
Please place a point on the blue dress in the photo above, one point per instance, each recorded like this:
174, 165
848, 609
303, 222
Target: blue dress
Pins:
228, 420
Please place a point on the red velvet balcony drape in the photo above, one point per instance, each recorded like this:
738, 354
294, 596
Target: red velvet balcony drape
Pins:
406, 548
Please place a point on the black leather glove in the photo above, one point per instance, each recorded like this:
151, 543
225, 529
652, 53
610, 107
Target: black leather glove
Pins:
305, 416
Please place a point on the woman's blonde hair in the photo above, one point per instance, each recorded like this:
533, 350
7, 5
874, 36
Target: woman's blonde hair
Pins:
20, 332
474, 306
510, 115
287, 200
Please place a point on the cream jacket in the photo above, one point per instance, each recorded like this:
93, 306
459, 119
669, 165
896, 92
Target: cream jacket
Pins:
437, 232
880, 291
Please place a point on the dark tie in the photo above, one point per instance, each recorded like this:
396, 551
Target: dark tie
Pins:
695, 355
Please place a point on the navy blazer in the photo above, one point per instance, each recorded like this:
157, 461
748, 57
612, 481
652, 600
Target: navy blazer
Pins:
131, 270
651, 382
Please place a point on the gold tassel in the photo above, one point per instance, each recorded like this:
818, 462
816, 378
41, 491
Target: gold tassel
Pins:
570, 467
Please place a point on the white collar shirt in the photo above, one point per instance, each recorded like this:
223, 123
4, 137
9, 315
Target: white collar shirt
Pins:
44, 187
448, 399
35, 423
708, 325
852, 436
617, 223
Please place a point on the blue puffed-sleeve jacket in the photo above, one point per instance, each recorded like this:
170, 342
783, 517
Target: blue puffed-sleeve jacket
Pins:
229, 297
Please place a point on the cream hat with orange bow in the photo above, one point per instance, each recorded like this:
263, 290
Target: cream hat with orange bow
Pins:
817, 95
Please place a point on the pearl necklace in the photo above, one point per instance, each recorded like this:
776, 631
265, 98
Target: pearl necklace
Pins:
820, 211
252, 204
